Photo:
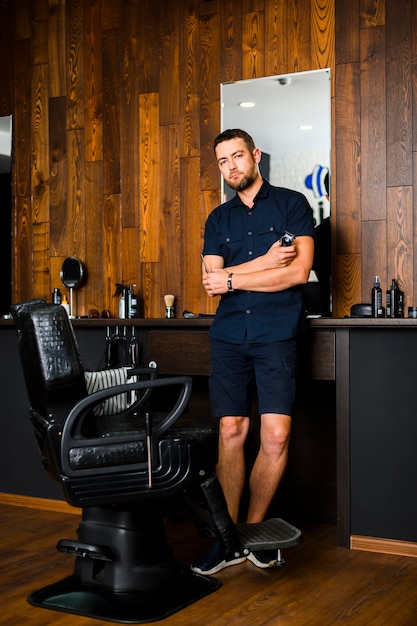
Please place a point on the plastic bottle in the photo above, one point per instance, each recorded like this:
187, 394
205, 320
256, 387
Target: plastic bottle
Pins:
56, 296
65, 303
128, 302
376, 298
132, 303
394, 299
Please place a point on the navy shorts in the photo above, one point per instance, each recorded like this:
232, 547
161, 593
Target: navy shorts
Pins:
237, 370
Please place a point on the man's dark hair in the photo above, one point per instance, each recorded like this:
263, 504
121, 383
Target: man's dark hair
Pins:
233, 133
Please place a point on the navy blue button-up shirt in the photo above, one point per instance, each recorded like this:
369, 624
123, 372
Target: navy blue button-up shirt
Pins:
239, 234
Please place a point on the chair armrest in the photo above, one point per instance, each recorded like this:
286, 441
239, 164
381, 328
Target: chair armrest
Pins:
77, 413
152, 372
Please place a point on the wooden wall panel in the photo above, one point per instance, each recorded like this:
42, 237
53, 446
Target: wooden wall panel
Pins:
93, 77
373, 124
75, 63
58, 175
56, 48
115, 109
399, 95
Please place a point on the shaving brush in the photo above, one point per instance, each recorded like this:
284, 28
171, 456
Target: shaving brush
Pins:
169, 305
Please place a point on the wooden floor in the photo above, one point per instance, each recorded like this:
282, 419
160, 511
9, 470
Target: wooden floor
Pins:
320, 583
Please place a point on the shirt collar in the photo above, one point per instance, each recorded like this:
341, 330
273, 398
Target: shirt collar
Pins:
262, 193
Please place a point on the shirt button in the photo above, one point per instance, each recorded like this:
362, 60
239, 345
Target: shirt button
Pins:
271, 228
249, 212
250, 252
227, 239
248, 311
249, 232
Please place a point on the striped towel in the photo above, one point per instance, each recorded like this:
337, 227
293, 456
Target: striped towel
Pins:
95, 381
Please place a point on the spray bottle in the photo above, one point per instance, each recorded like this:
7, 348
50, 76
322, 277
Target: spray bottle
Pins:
128, 301
376, 298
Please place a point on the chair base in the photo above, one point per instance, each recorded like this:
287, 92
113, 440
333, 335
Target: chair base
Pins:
69, 596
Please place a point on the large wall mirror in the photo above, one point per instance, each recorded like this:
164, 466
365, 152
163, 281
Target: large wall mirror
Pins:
5, 213
288, 117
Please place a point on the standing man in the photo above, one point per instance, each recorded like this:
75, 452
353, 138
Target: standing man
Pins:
253, 336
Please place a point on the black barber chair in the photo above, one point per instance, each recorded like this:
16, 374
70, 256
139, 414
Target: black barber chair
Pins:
122, 465
121, 468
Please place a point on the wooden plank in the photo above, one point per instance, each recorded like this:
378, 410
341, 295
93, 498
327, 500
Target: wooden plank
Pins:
130, 20
149, 44
399, 94
253, 42
322, 34
400, 241
130, 138
41, 271
297, 29
373, 124
57, 175
346, 283
22, 283
414, 76
111, 12
39, 32
112, 250
131, 261
374, 256
372, 13
39, 140
346, 182
275, 57
172, 269
93, 86
22, 119
169, 66
111, 111
23, 8
191, 243
94, 255
149, 178
56, 48
74, 17
347, 31
230, 41
189, 114
153, 305
74, 220
209, 99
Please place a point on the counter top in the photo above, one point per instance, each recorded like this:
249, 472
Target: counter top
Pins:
205, 322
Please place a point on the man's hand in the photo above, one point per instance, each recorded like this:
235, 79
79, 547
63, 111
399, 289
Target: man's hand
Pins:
215, 282
279, 256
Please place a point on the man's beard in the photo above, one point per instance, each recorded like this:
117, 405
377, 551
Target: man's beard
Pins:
246, 182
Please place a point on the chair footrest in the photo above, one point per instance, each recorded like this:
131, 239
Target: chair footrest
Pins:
84, 550
272, 534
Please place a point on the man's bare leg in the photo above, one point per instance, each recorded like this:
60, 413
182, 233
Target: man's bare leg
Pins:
269, 465
230, 469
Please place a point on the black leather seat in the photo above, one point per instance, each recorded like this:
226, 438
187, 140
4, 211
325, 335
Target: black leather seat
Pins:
121, 469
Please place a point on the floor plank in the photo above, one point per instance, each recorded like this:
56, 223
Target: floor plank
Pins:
319, 585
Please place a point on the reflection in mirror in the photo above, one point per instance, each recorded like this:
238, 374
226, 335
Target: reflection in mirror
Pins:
5, 213
72, 274
288, 117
